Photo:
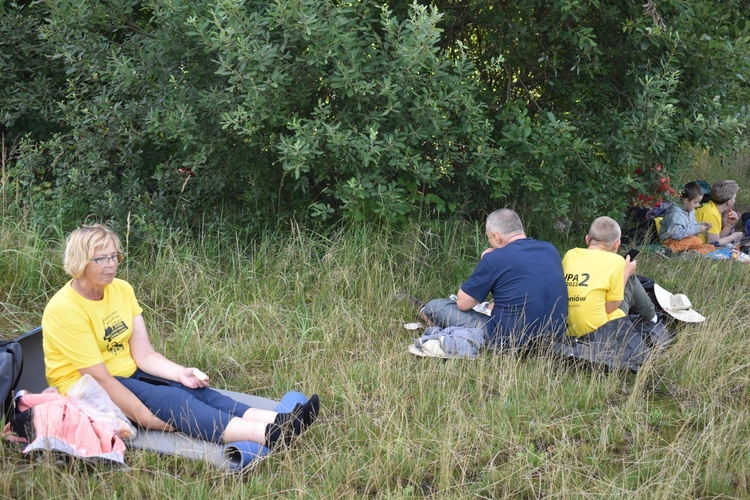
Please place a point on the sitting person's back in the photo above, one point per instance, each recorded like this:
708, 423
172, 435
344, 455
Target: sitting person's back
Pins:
594, 278
528, 291
524, 277
602, 285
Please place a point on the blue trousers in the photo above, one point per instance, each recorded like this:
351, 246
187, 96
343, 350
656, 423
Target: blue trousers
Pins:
200, 413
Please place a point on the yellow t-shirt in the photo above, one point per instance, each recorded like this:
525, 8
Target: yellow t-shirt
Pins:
594, 277
79, 333
709, 213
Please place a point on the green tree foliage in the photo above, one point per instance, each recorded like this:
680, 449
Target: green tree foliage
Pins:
587, 91
244, 110
257, 108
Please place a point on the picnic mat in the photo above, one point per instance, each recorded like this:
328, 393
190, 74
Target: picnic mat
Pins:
231, 456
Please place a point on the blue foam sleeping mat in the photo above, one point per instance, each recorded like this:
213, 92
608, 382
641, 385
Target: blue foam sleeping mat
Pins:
231, 456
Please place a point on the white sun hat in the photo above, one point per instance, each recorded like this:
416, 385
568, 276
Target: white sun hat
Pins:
677, 305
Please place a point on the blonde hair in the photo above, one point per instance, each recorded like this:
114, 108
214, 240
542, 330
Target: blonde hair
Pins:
723, 191
605, 230
81, 245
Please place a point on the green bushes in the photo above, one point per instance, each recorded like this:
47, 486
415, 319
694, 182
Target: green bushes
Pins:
195, 112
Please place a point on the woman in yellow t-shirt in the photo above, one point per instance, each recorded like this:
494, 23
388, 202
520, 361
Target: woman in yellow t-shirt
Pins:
94, 326
720, 215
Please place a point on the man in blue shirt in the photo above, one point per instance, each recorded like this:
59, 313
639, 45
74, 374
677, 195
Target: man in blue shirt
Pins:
524, 277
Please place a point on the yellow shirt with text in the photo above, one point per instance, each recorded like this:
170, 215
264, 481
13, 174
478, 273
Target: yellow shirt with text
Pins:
80, 333
594, 277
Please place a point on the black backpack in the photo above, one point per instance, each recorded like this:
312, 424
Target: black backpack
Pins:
11, 365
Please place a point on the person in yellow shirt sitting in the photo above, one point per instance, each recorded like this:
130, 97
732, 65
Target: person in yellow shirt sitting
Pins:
94, 326
602, 285
720, 215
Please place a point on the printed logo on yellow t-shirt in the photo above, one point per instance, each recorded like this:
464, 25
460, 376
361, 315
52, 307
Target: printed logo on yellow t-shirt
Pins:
114, 326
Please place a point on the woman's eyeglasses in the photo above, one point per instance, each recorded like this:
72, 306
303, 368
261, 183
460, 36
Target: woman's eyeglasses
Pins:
103, 261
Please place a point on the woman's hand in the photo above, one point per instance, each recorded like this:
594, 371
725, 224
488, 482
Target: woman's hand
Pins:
193, 378
154, 363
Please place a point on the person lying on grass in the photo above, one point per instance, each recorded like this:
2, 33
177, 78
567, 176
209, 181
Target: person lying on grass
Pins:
93, 325
524, 277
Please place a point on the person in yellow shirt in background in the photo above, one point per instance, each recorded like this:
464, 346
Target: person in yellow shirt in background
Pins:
720, 214
602, 285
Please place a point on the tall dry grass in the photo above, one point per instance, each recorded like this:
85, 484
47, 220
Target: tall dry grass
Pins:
297, 310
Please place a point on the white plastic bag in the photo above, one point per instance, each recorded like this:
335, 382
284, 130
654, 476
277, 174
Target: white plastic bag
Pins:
94, 401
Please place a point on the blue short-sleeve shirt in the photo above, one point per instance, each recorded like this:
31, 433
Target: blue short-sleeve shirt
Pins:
526, 281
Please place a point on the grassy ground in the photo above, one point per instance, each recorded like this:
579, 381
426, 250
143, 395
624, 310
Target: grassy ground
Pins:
301, 311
